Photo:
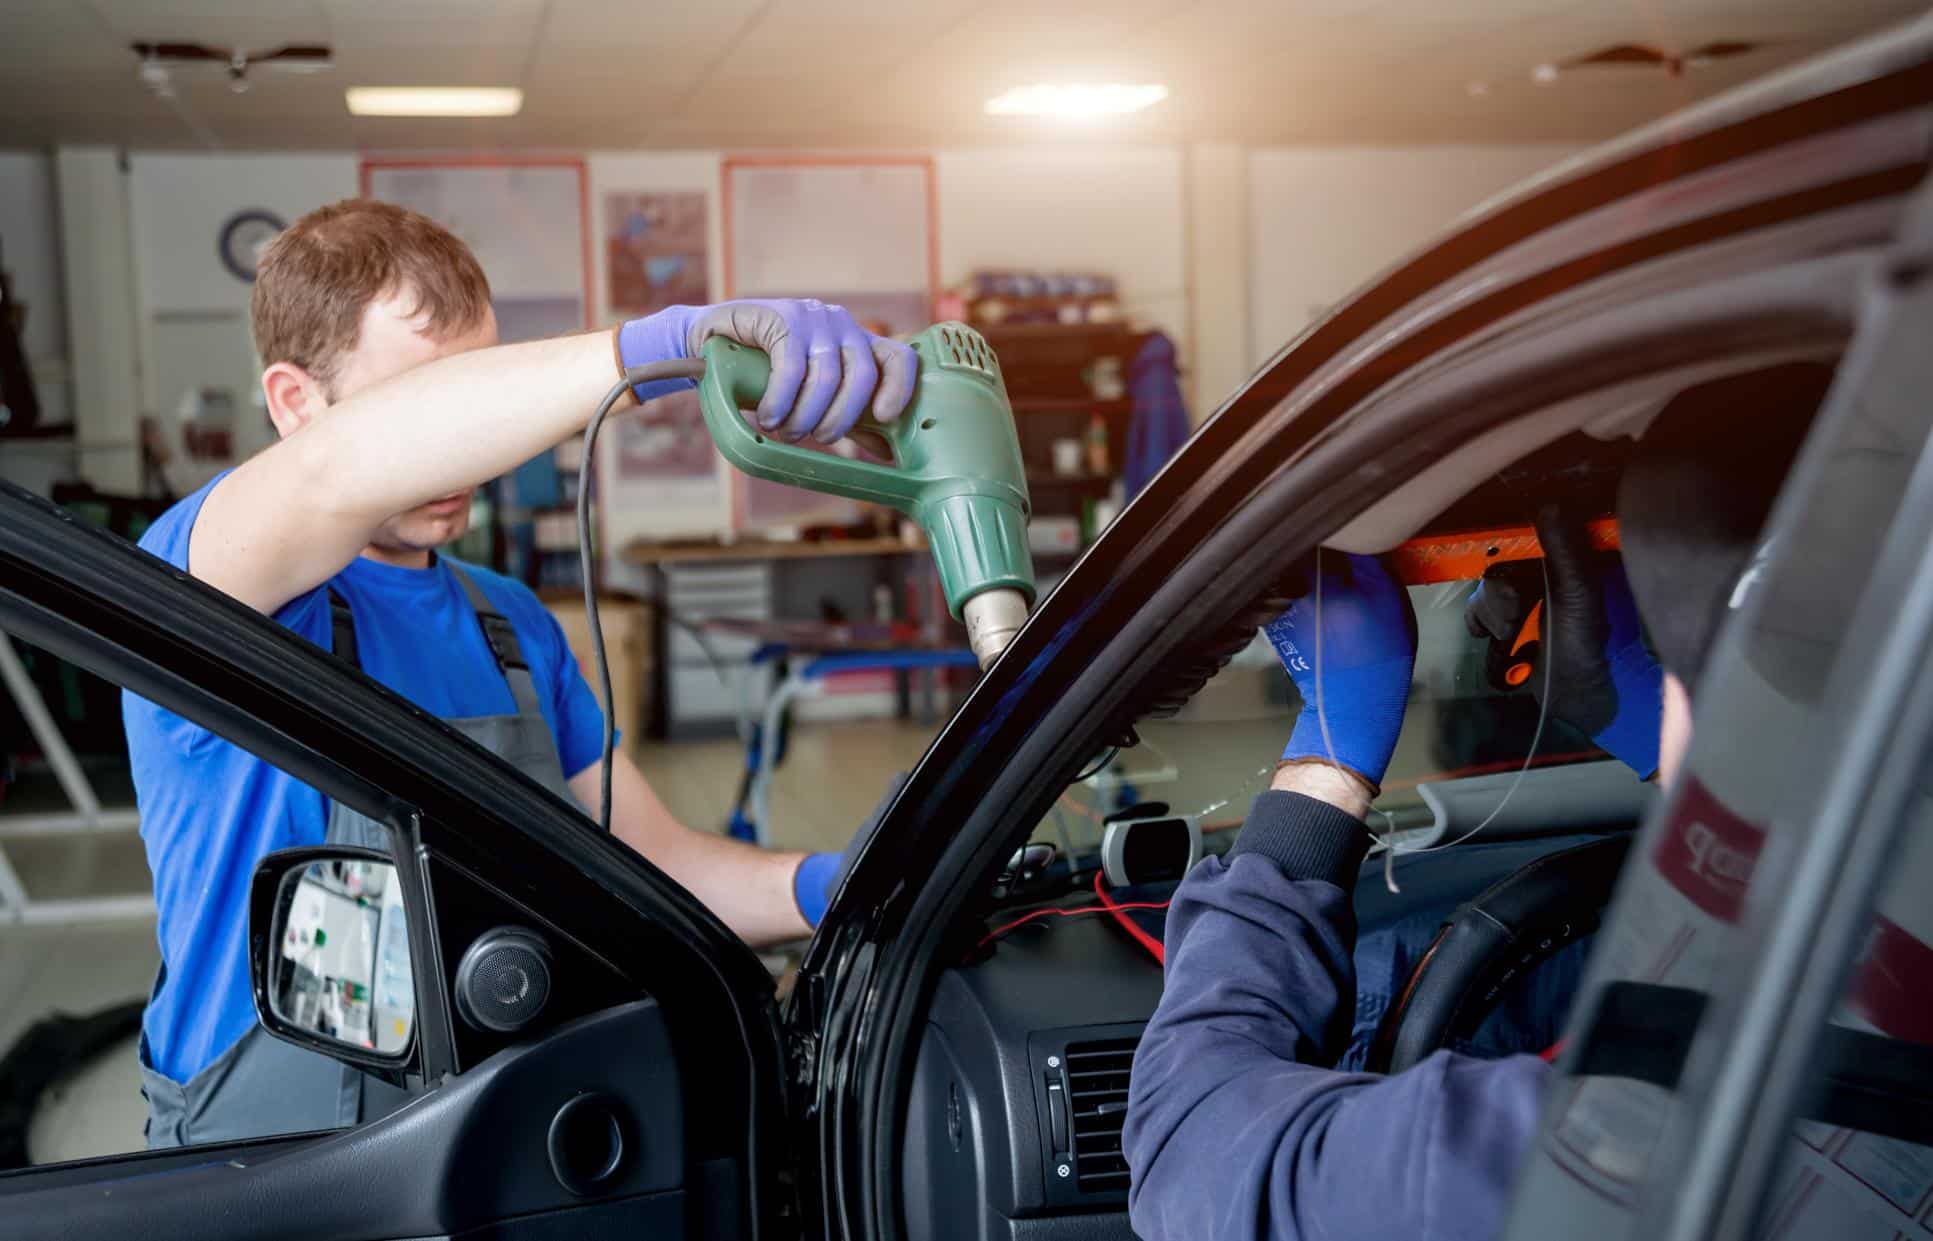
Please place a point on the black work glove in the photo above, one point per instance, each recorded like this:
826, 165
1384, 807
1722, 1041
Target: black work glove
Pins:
1602, 678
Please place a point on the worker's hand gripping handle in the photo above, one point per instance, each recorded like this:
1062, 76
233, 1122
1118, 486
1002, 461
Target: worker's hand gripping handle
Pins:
956, 466
735, 379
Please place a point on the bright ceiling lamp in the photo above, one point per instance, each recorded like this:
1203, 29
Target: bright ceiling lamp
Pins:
435, 100
1076, 102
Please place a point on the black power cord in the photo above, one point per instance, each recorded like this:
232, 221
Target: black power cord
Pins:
693, 369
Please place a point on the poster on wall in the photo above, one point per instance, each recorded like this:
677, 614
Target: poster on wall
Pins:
667, 439
766, 505
853, 233
524, 222
655, 252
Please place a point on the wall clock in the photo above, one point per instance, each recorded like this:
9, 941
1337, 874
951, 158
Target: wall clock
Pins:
244, 237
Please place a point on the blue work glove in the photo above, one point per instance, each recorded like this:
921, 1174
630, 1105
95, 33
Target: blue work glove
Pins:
814, 883
1368, 653
1603, 679
826, 370
820, 874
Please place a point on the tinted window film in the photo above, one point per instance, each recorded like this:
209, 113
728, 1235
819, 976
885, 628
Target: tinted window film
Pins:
1860, 1163
1716, 870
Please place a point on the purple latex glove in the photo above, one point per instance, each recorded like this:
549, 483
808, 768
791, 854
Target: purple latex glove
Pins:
1368, 654
827, 371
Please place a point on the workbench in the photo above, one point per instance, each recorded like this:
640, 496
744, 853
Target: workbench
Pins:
763, 582
659, 554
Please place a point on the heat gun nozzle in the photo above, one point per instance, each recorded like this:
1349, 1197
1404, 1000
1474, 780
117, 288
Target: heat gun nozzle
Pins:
992, 619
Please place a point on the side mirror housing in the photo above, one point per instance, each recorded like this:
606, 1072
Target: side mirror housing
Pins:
329, 959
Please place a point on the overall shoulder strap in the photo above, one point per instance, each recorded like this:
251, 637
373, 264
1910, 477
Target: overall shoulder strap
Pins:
342, 630
501, 636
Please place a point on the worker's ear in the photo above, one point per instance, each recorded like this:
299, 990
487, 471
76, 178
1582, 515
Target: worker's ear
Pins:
294, 397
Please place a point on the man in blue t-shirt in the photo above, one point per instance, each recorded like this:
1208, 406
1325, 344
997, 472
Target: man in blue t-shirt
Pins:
393, 401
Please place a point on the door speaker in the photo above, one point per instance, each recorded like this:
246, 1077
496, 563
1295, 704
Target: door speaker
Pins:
503, 979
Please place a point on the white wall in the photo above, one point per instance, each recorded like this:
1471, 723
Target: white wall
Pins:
676, 506
637, 172
1323, 221
193, 310
1111, 209
1231, 252
97, 283
180, 203
30, 249
1218, 275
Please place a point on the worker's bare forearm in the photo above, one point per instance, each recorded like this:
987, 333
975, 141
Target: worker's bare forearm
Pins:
750, 889
292, 516
1331, 785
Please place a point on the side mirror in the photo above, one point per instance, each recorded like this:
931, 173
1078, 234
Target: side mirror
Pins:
329, 955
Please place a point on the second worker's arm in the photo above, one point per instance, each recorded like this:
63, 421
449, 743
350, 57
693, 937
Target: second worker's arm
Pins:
1236, 1129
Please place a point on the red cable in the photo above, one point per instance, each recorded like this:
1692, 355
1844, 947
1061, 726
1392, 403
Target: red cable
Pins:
1120, 912
1105, 907
1549, 1054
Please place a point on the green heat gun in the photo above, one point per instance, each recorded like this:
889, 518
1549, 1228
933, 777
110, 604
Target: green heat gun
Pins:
956, 469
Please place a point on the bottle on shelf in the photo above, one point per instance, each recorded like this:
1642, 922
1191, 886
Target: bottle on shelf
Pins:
1097, 446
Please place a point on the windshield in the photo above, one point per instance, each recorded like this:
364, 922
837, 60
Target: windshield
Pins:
1221, 749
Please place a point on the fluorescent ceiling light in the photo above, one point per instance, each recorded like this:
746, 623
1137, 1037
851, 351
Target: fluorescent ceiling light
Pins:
435, 100
1076, 102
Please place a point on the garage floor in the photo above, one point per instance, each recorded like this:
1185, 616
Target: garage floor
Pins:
82, 969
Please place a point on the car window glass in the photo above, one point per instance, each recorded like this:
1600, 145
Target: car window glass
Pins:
84, 862
1210, 759
1867, 1171
1690, 907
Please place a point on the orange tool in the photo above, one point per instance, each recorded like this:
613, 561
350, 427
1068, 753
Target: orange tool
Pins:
1462, 556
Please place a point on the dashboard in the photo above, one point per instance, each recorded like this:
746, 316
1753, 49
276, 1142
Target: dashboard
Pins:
1020, 1084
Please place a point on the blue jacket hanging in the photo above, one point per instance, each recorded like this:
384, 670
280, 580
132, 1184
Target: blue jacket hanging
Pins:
1160, 424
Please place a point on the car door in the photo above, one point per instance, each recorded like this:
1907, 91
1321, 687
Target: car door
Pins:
1753, 1053
655, 1012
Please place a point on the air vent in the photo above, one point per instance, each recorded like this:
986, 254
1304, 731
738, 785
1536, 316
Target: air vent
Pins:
959, 347
1097, 1094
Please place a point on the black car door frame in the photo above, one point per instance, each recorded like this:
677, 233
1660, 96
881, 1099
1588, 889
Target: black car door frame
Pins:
1277, 468
88, 597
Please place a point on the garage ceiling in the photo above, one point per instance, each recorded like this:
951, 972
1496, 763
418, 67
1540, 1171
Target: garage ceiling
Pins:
886, 73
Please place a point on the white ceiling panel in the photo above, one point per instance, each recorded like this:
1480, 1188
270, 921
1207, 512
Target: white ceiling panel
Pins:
434, 38
903, 73
699, 31
830, 38
476, 65
1488, 13
458, 13
121, 12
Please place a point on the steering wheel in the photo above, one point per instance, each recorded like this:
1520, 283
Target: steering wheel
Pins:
1491, 940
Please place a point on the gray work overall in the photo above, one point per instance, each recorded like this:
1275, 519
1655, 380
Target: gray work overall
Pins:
263, 1085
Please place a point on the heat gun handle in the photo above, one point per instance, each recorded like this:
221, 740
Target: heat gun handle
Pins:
735, 379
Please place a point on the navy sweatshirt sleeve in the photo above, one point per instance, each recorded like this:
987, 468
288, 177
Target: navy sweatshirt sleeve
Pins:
1233, 1131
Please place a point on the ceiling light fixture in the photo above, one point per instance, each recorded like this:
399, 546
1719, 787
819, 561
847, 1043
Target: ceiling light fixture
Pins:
1075, 102
435, 100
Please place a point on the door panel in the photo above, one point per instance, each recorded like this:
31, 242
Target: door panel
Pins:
480, 846
474, 1155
